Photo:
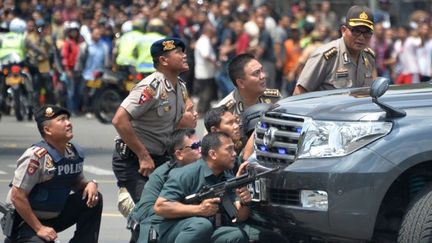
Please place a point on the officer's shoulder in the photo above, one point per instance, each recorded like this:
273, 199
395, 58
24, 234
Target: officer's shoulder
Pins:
327, 51
39, 152
369, 51
228, 101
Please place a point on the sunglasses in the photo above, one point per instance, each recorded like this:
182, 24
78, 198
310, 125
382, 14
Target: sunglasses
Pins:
356, 32
193, 146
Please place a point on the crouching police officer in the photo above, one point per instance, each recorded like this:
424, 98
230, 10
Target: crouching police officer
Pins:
44, 177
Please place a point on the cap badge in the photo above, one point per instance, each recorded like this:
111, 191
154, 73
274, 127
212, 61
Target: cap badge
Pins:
49, 112
363, 15
168, 45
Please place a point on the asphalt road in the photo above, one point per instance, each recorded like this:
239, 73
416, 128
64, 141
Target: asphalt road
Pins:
97, 140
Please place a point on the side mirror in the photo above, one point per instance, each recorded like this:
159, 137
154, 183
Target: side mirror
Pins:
379, 87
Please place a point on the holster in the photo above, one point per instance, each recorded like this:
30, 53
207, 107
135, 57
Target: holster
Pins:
123, 150
8, 219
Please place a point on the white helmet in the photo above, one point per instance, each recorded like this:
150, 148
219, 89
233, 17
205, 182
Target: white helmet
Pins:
126, 26
68, 25
17, 25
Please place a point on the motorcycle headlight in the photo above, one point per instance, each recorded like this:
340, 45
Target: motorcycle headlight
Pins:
333, 139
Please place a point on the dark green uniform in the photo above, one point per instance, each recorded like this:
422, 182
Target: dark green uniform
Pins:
143, 211
183, 182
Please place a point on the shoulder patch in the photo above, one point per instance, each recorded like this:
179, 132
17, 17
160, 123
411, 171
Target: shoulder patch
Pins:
370, 51
272, 93
230, 104
330, 53
40, 152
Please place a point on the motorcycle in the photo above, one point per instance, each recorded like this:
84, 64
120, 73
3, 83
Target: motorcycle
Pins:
17, 87
112, 88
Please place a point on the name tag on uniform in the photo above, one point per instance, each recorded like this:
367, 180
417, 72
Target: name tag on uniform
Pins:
342, 73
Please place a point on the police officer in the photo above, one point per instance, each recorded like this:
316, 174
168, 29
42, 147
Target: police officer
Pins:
144, 62
195, 223
41, 189
125, 46
249, 80
148, 116
345, 62
185, 148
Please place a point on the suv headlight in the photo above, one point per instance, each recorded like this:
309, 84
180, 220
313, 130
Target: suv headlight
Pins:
333, 139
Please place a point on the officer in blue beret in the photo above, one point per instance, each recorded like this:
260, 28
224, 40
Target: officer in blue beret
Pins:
44, 178
147, 117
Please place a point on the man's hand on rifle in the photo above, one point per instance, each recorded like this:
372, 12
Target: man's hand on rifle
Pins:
244, 196
209, 207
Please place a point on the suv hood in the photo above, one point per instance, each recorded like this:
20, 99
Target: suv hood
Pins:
355, 103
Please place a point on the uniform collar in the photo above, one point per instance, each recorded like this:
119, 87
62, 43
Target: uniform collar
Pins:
239, 104
346, 57
209, 173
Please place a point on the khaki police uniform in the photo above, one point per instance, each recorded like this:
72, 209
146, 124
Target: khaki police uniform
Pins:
331, 67
155, 107
234, 102
37, 167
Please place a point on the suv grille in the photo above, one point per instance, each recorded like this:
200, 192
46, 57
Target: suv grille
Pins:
284, 197
277, 136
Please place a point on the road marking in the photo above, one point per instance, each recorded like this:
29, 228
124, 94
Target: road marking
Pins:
111, 215
97, 171
3, 172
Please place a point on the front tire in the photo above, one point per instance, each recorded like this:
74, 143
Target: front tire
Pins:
106, 104
417, 223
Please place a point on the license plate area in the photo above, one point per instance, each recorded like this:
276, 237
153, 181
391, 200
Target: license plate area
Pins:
258, 190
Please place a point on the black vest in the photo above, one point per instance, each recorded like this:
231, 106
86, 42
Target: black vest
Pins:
51, 195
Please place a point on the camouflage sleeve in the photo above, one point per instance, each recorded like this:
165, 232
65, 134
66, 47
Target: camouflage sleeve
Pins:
29, 169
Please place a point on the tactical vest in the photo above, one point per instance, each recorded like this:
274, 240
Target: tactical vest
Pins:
145, 60
12, 42
51, 195
126, 47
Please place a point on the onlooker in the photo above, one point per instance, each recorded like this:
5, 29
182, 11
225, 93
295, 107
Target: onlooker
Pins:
205, 69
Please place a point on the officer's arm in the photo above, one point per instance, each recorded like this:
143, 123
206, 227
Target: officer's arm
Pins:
299, 90
122, 123
20, 201
174, 209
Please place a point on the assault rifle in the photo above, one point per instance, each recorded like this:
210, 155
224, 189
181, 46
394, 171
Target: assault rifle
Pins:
220, 189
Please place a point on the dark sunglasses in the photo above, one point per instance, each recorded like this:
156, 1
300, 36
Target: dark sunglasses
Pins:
356, 32
193, 146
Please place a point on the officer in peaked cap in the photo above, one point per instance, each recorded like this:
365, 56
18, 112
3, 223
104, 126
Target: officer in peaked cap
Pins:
147, 117
345, 62
45, 176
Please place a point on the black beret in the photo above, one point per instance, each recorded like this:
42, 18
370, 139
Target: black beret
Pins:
48, 112
162, 46
360, 16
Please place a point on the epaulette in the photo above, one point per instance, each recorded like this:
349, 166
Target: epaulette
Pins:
370, 51
40, 152
272, 93
330, 53
230, 104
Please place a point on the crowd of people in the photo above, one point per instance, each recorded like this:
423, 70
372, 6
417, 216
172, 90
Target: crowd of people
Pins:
71, 41
202, 49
